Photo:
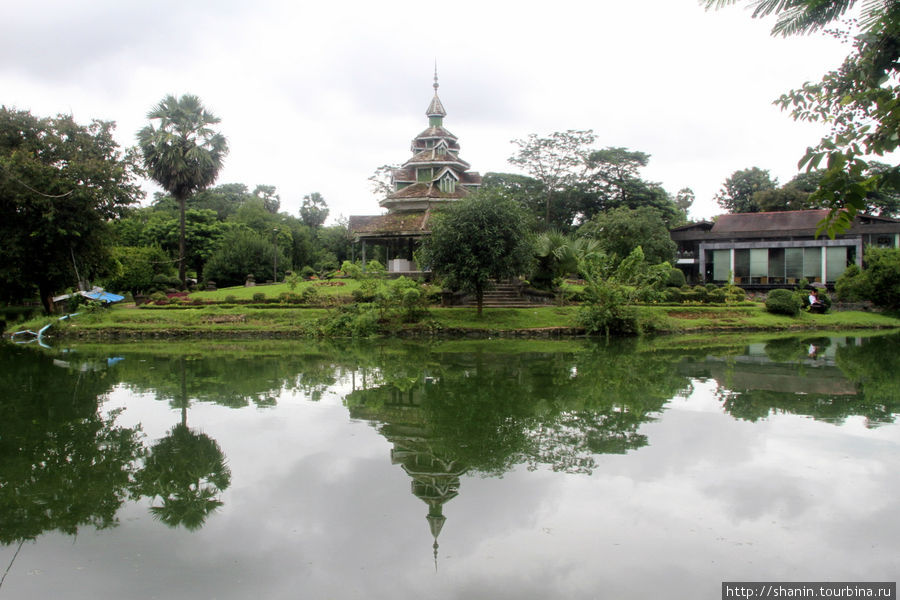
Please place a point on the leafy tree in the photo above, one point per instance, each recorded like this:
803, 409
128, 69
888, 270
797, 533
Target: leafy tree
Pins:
380, 181
336, 240
736, 195
314, 210
780, 199
136, 267
183, 154
860, 99
614, 181
270, 200
684, 199
558, 161
225, 199
242, 252
60, 183
621, 230
529, 192
202, 235
879, 280
481, 238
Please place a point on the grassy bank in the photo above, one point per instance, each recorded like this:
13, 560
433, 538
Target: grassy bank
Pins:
128, 321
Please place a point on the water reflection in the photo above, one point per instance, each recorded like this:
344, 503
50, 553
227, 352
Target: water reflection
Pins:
447, 412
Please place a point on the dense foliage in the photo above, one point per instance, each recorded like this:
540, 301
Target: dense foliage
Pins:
478, 240
879, 281
60, 183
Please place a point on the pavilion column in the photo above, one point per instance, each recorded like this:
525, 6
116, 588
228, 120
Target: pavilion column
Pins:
364, 254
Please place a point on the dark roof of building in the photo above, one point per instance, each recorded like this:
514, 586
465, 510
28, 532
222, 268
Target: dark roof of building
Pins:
428, 190
436, 132
430, 156
799, 223
401, 223
789, 220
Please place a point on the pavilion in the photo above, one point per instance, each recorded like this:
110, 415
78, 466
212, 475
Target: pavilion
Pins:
433, 177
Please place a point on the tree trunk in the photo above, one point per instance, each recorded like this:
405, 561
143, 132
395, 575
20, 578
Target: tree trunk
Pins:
181, 271
46, 298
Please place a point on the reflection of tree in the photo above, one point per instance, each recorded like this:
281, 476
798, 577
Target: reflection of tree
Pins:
873, 366
63, 465
187, 471
861, 381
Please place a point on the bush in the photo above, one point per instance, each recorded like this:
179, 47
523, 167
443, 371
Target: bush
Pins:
675, 278
259, 297
734, 293
783, 302
353, 320
307, 271
163, 282
607, 311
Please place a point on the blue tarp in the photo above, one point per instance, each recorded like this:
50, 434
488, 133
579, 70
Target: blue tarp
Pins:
103, 296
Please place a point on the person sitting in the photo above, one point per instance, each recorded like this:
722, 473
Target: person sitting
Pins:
816, 305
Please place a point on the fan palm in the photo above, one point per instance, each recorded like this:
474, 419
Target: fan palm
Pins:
807, 16
183, 153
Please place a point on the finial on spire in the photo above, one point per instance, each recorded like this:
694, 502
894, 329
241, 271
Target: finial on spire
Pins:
435, 110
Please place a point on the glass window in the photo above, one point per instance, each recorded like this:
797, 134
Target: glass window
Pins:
793, 264
721, 260
776, 265
759, 263
741, 266
835, 261
812, 264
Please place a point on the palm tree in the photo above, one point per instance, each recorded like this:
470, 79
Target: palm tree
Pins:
183, 154
807, 16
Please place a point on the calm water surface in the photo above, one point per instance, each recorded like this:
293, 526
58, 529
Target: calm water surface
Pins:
489, 469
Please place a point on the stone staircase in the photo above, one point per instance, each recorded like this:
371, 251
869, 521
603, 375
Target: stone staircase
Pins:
503, 295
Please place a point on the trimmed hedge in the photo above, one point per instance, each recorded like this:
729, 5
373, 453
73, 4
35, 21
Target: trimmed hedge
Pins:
783, 302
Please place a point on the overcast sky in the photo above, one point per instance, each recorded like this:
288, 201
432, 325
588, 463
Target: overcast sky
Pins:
314, 96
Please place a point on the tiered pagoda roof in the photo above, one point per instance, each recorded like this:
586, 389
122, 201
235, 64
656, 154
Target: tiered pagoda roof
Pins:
435, 175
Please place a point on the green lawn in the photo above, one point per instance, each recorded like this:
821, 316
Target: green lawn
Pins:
325, 287
219, 320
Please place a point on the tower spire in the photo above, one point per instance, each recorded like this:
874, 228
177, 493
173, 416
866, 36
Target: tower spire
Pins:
436, 112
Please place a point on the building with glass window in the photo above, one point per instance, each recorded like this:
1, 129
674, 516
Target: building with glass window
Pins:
433, 177
776, 249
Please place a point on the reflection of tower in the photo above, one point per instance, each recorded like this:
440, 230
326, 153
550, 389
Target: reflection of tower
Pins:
434, 481
435, 478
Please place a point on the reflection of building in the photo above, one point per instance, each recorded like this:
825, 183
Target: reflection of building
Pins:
434, 176
776, 249
435, 478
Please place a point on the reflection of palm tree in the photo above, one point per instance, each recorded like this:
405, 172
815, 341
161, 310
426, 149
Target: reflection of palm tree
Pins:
187, 471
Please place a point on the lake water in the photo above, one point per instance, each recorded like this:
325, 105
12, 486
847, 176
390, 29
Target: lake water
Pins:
454, 469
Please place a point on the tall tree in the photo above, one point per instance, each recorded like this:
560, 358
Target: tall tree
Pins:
614, 181
559, 161
60, 182
481, 238
271, 201
684, 199
182, 153
621, 230
860, 100
314, 210
736, 195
